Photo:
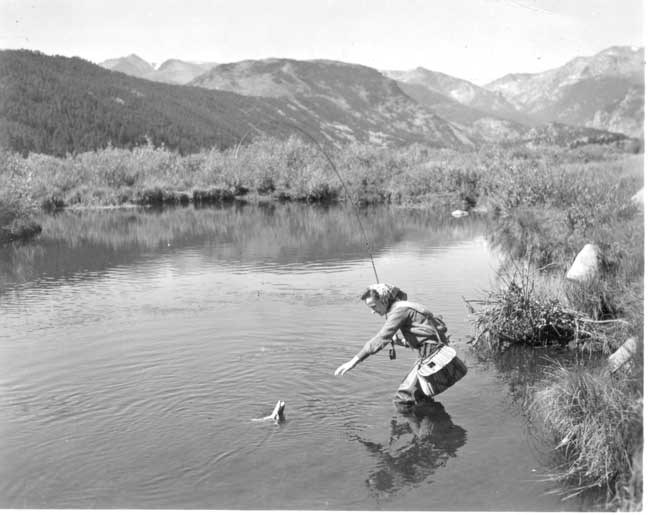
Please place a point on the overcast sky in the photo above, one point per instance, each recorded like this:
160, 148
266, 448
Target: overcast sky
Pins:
478, 40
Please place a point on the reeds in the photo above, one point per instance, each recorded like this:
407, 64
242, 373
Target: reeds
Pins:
596, 422
518, 312
294, 169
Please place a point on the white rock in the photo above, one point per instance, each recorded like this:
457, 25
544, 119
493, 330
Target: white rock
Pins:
585, 265
459, 213
638, 197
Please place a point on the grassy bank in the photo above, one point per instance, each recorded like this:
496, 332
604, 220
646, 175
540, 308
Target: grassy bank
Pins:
592, 415
285, 170
291, 170
294, 170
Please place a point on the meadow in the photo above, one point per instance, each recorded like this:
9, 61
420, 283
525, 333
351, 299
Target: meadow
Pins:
543, 206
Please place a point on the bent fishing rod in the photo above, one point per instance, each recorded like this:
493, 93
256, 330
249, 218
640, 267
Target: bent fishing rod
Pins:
391, 351
347, 192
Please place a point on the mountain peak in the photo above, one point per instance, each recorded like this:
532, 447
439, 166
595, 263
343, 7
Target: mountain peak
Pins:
131, 65
168, 63
479, 99
136, 60
274, 77
603, 91
621, 50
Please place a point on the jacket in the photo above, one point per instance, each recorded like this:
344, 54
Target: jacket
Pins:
420, 328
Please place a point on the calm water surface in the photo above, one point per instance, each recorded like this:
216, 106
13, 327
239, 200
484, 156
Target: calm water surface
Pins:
137, 346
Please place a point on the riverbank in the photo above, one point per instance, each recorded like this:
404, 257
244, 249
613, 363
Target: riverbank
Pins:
591, 412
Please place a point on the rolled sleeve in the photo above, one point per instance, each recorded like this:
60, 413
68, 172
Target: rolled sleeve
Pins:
393, 322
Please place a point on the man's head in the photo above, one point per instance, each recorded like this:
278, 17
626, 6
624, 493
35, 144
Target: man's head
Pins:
371, 297
380, 297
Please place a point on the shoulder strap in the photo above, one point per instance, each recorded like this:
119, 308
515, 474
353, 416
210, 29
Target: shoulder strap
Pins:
438, 324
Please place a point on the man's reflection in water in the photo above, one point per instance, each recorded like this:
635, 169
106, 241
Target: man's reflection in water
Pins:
421, 440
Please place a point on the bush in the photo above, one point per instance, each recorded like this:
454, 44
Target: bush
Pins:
17, 205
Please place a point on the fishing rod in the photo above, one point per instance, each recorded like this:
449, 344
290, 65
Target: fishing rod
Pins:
239, 144
391, 351
347, 193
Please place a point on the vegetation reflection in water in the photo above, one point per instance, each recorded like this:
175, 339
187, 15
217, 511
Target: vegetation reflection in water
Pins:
277, 234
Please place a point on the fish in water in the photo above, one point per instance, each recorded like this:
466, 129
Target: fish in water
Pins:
277, 415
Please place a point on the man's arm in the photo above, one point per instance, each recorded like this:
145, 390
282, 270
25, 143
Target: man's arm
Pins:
379, 341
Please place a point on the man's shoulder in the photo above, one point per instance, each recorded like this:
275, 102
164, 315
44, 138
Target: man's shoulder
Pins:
403, 305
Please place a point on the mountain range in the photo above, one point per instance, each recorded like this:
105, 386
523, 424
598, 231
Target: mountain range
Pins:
604, 91
55, 104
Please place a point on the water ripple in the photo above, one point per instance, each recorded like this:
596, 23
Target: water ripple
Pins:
137, 346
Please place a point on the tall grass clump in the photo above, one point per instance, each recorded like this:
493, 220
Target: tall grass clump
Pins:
596, 423
529, 309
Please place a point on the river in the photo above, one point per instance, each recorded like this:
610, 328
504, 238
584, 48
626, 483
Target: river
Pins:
136, 347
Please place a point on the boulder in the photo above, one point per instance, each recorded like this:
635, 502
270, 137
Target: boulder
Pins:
458, 213
585, 266
637, 198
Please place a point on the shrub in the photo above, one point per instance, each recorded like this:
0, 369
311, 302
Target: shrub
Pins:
17, 205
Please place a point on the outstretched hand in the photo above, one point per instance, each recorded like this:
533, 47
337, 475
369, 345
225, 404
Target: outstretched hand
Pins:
346, 366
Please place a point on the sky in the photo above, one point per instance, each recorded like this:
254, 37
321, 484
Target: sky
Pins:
477, 40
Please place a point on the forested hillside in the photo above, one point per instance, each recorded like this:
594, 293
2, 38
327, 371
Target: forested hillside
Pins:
56, 105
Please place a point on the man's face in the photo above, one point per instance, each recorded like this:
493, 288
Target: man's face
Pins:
376, 305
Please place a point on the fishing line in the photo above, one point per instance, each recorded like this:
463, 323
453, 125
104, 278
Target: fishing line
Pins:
241, 141
347, 194
391, 351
